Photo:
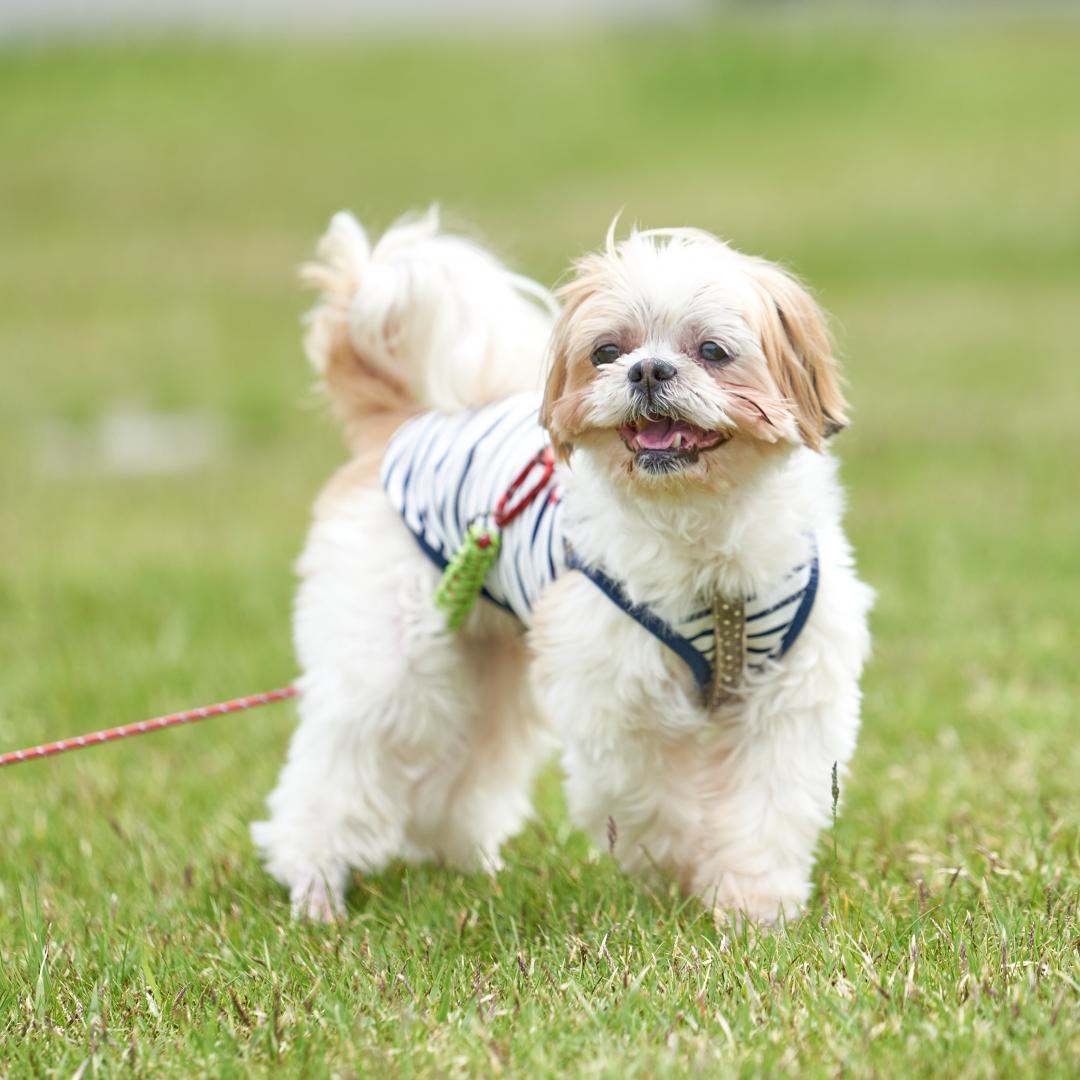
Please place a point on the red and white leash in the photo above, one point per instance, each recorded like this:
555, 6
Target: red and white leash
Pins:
504, 514
144, 727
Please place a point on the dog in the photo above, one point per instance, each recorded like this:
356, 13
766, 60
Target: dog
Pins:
676, 609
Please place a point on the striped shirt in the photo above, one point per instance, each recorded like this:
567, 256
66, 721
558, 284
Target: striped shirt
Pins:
443, 471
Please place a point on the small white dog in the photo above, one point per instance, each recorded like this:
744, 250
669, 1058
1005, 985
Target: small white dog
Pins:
678, 606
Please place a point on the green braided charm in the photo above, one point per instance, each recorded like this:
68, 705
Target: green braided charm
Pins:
464, 575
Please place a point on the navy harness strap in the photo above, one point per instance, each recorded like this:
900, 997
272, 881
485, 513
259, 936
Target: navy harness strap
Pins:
803, 613
683, 647
639, 613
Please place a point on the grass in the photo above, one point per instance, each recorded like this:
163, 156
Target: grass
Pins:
154, 200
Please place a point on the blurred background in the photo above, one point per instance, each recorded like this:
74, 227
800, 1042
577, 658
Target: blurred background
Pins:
165, 167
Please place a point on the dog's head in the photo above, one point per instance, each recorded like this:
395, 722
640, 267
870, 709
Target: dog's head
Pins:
678, 360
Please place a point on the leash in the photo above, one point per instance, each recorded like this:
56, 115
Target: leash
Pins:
458, 590
144, 727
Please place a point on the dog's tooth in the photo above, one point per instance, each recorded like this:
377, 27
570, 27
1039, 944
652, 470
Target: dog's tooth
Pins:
677, 444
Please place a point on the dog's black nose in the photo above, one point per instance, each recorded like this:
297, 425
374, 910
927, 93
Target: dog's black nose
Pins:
648, 372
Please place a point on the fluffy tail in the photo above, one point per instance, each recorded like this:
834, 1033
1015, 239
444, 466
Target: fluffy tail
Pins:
422, 318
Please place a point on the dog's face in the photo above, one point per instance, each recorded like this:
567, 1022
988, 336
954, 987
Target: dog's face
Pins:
678, 360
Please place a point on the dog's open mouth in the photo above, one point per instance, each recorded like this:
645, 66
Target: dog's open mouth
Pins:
665, 443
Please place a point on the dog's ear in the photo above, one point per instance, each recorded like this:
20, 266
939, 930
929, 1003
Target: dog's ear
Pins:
555, 385
799, 353
558, 410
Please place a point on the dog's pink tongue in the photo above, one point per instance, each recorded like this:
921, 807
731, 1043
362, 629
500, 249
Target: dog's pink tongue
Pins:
657, 434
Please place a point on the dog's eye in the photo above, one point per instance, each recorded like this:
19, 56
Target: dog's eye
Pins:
713, 352
605, 354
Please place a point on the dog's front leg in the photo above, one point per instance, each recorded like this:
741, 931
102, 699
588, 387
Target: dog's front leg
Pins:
766, 796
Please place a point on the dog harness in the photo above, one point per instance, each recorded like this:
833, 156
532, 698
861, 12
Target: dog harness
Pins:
443, 471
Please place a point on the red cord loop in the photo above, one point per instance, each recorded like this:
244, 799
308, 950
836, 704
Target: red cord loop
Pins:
545, 461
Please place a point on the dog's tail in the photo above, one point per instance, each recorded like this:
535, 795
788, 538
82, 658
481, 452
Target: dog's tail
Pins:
422, 318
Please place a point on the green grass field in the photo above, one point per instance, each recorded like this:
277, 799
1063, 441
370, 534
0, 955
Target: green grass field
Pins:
154, 203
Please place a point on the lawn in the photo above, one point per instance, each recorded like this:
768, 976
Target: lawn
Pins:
155, 199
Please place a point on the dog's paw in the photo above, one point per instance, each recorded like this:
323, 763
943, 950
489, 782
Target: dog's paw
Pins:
491, 863
739, 901
315, 901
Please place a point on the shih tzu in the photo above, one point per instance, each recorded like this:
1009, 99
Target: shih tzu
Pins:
676, 607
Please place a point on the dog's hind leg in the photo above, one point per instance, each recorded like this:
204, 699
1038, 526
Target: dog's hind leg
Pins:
384, 694
465, 810
413, 742
340, 801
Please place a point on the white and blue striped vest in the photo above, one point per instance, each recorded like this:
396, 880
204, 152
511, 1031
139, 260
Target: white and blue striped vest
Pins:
442, 471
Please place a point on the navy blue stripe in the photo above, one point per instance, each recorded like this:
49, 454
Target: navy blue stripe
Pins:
552, 533
656, 626
766, 633
545, 503
392, 459
430, 435
468, 465
441, 505
776, 607
803, 613
522, 588
405, 490
536, 547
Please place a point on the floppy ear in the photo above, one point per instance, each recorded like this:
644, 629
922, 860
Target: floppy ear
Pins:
560, 351
799, 353
555, 384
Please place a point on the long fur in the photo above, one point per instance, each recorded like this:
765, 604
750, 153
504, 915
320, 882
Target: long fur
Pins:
414, 743
422, 318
